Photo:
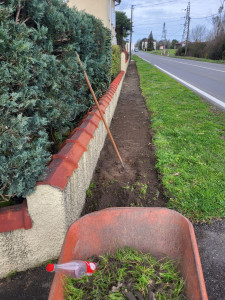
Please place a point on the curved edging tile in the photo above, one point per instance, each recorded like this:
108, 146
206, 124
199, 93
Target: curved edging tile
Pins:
66, 160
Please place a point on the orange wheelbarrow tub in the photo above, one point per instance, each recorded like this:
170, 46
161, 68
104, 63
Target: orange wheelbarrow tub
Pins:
161, 231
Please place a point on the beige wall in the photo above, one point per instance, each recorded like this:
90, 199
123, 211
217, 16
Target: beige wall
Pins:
101, 9
97, 8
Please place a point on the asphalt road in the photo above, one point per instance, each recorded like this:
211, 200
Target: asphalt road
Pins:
205, 79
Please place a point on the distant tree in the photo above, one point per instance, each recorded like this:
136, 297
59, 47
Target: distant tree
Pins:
173, 44
168, 44
123, 27
223, 21
218, 23
150, 42
216, 48
159, 44
198, 34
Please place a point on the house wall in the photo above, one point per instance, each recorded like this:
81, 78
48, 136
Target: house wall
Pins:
101, 9
97, 8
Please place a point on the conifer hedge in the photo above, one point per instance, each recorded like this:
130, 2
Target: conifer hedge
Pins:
42, 89
116, 61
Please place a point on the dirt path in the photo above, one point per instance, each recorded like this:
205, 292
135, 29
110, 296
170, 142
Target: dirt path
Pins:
138, 185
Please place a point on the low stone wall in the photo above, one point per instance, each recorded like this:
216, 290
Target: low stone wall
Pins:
58, 201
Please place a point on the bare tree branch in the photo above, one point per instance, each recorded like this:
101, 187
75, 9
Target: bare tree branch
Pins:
4, 198
4, 186
25, 20
18, 14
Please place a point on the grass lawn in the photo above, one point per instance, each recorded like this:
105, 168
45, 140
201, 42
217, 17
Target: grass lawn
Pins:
158, 52
190, 145
173, 51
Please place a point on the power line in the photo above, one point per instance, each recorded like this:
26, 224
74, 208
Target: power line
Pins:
205, 17
175, 32
150, 5
159, 23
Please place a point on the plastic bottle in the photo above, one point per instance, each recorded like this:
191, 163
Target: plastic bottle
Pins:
75, 268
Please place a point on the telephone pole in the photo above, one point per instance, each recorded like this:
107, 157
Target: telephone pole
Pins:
164, 36
186, 27
131, 30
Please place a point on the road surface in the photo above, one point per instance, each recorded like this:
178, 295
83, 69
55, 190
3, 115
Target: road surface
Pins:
205, 79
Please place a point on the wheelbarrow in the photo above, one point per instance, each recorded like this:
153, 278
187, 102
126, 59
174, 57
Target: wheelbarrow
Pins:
161, 231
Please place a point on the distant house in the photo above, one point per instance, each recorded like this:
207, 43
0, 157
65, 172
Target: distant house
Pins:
180, 45
144, 44
102, 9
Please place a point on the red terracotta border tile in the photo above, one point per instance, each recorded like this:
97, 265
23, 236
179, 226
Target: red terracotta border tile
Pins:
105, 98
66, 160
96, 113
15, 217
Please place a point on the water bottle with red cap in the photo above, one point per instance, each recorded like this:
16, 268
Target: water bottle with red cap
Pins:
75, 268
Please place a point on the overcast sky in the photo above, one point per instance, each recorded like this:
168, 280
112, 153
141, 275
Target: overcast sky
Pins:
149, 15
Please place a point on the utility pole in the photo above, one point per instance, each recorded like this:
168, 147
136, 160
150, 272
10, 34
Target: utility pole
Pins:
164, 36
131, 30
186, 27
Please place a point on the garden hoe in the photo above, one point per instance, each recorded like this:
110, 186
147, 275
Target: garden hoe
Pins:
100, 111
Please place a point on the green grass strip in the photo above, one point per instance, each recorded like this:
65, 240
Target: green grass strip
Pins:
190, 145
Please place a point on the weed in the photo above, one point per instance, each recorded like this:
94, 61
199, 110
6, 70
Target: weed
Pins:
112, 181
138, 187
50, 261
144, 189
11, 274
89, 191
92, 185
131, 270
126, 187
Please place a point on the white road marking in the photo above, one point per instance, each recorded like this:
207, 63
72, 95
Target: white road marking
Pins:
193, 88
145, 59
183, 63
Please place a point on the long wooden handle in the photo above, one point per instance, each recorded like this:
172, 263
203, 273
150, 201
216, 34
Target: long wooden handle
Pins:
99, 109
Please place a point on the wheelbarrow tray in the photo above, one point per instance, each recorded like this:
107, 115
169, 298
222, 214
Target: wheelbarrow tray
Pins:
161, 231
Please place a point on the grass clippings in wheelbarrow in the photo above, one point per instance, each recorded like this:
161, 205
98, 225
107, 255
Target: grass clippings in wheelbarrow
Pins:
128, 274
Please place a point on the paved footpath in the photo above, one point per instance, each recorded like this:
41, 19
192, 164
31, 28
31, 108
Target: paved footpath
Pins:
36, 283
211, 246
33, 284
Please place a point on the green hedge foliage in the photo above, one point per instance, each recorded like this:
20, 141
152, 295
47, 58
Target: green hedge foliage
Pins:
116, 61
42, 89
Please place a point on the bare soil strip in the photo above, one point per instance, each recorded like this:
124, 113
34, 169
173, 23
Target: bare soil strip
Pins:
138, 184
